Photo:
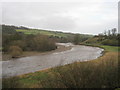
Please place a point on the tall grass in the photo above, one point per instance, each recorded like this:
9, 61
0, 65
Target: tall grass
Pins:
101, 73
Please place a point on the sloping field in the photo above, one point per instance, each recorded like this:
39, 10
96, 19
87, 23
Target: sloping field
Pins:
35, 31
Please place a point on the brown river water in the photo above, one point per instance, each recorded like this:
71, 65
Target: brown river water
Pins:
29, 64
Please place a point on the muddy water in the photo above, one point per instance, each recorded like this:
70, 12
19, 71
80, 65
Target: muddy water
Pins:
35, 63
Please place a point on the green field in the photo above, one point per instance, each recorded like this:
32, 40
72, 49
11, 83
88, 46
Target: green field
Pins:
106, 47
111, 48
35, 31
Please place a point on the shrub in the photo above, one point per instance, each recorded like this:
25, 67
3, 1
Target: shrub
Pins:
41, 43
76, 39
20, 43
110, 42
15, 51
10, 82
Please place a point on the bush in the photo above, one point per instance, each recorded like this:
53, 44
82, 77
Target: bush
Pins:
76, 39
10, 82
20, 43
110, 42
15, 51
28, 42
41, 43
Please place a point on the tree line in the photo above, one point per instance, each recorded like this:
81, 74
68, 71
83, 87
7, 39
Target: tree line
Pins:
15, 43
112, 32
110, 37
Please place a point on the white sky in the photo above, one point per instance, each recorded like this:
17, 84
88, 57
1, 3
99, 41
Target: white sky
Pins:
77, 16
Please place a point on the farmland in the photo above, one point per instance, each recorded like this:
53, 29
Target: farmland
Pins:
44, 32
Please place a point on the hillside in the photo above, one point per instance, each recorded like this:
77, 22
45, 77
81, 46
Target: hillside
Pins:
103, 40
10, 29
22, 39
65, 37
45, 32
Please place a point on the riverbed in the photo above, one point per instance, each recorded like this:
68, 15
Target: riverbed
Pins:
29, 64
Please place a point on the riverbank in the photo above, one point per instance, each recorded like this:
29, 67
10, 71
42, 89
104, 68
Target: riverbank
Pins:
97, 73
29, 64
60, 48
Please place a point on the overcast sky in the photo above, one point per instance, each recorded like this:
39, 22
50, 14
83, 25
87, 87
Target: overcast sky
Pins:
77, 16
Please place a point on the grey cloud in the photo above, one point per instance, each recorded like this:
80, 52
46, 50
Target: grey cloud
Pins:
49, 15
58, 23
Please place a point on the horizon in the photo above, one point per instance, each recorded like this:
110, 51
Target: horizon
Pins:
48, 29
56, 30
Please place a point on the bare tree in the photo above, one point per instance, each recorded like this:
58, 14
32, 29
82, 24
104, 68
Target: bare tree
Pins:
109, 32
114, 31
105, 33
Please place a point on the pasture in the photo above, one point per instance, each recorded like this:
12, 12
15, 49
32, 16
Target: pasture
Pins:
44, 32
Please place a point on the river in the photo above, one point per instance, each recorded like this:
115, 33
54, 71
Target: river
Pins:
29, 64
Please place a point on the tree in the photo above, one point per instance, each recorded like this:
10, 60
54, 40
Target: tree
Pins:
100, 35
105, 33
76, 39
41, 43
8, 29
109, 32
20, 43
113, 31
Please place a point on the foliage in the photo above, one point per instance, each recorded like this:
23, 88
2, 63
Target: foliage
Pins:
41, 43
8, 29
111, 32
36, 40
10, 82
79, 38
110, 42
110, 37
21, 43
76, 39
8, 39
103, 40
15, 51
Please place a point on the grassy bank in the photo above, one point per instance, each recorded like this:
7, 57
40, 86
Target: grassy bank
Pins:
98, 73
111, 48
106, 47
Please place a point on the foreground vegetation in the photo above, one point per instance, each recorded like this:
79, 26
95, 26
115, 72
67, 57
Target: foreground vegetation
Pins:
98, 73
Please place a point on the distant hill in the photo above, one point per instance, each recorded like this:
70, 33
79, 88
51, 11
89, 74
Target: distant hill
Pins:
44, 32
10, 29
6, 29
